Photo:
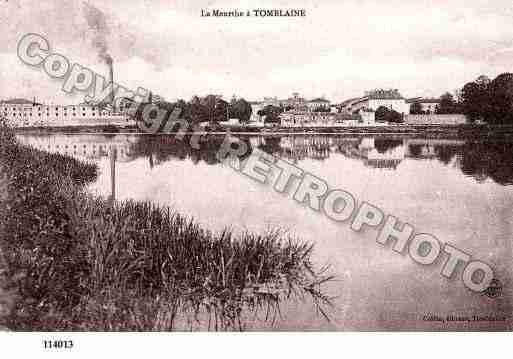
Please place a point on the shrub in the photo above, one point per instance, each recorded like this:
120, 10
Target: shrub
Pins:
384, 114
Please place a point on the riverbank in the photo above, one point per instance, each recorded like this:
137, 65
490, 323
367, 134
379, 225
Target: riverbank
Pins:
457, 131
79, 262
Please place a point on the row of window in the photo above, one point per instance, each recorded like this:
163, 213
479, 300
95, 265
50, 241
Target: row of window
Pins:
56, 114
5, 108
121, 151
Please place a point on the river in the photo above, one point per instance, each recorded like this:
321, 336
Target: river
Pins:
461, 191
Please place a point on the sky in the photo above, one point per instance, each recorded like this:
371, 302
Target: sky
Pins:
338, 50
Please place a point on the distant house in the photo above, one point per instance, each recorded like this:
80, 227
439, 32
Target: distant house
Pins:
347, 105
271, 101
428, 105
354, 105
390, 99
318, 103
297, 103
375, 99
255, 107
309, 118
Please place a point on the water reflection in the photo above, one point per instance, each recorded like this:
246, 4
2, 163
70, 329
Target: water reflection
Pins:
480, 160
457, 189
489, 159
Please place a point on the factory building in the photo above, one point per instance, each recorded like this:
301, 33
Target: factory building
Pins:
23, 113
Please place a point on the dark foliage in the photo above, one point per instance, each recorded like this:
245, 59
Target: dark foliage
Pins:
271, 113
489, 101
384, 114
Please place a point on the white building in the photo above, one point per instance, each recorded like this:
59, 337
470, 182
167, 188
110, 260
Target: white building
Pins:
390, 99
318, 103
309, 119
375, 99
23, 113
428, 105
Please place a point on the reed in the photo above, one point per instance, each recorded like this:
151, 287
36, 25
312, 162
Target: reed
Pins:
80, 262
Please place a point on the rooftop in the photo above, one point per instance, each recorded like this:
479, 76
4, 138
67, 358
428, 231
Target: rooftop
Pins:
17, 101
380, 94
423, 100
319, 99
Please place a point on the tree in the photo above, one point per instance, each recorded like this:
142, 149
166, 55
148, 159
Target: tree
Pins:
416, 108
447, 105
475, 99
240, 109
271, 113
221, 111
501, 94
472, 98
210, 108
199, 111
383, 114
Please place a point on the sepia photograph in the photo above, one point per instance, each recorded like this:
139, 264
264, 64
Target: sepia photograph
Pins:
255, 166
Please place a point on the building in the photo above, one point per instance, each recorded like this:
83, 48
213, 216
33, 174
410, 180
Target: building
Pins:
24, 113
318, 104
428, 105
296, 102
374, 99
390, 99
255, 107
310, 119
354, 105
271, 101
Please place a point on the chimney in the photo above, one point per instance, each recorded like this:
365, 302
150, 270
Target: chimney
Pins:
111, 68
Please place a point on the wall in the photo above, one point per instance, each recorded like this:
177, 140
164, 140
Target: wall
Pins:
428, 107
432, 119
368, 117
291, 119
398, 105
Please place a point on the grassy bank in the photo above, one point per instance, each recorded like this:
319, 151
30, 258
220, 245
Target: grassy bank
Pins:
77, 262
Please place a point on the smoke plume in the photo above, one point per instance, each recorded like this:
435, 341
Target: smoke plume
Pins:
97, 22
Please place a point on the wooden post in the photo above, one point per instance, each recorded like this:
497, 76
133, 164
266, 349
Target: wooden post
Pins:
112, 156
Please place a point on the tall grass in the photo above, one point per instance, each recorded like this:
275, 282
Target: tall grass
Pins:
80, 262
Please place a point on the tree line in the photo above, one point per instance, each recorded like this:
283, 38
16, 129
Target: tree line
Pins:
211, 108
490, 101
448, 104
482, 100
